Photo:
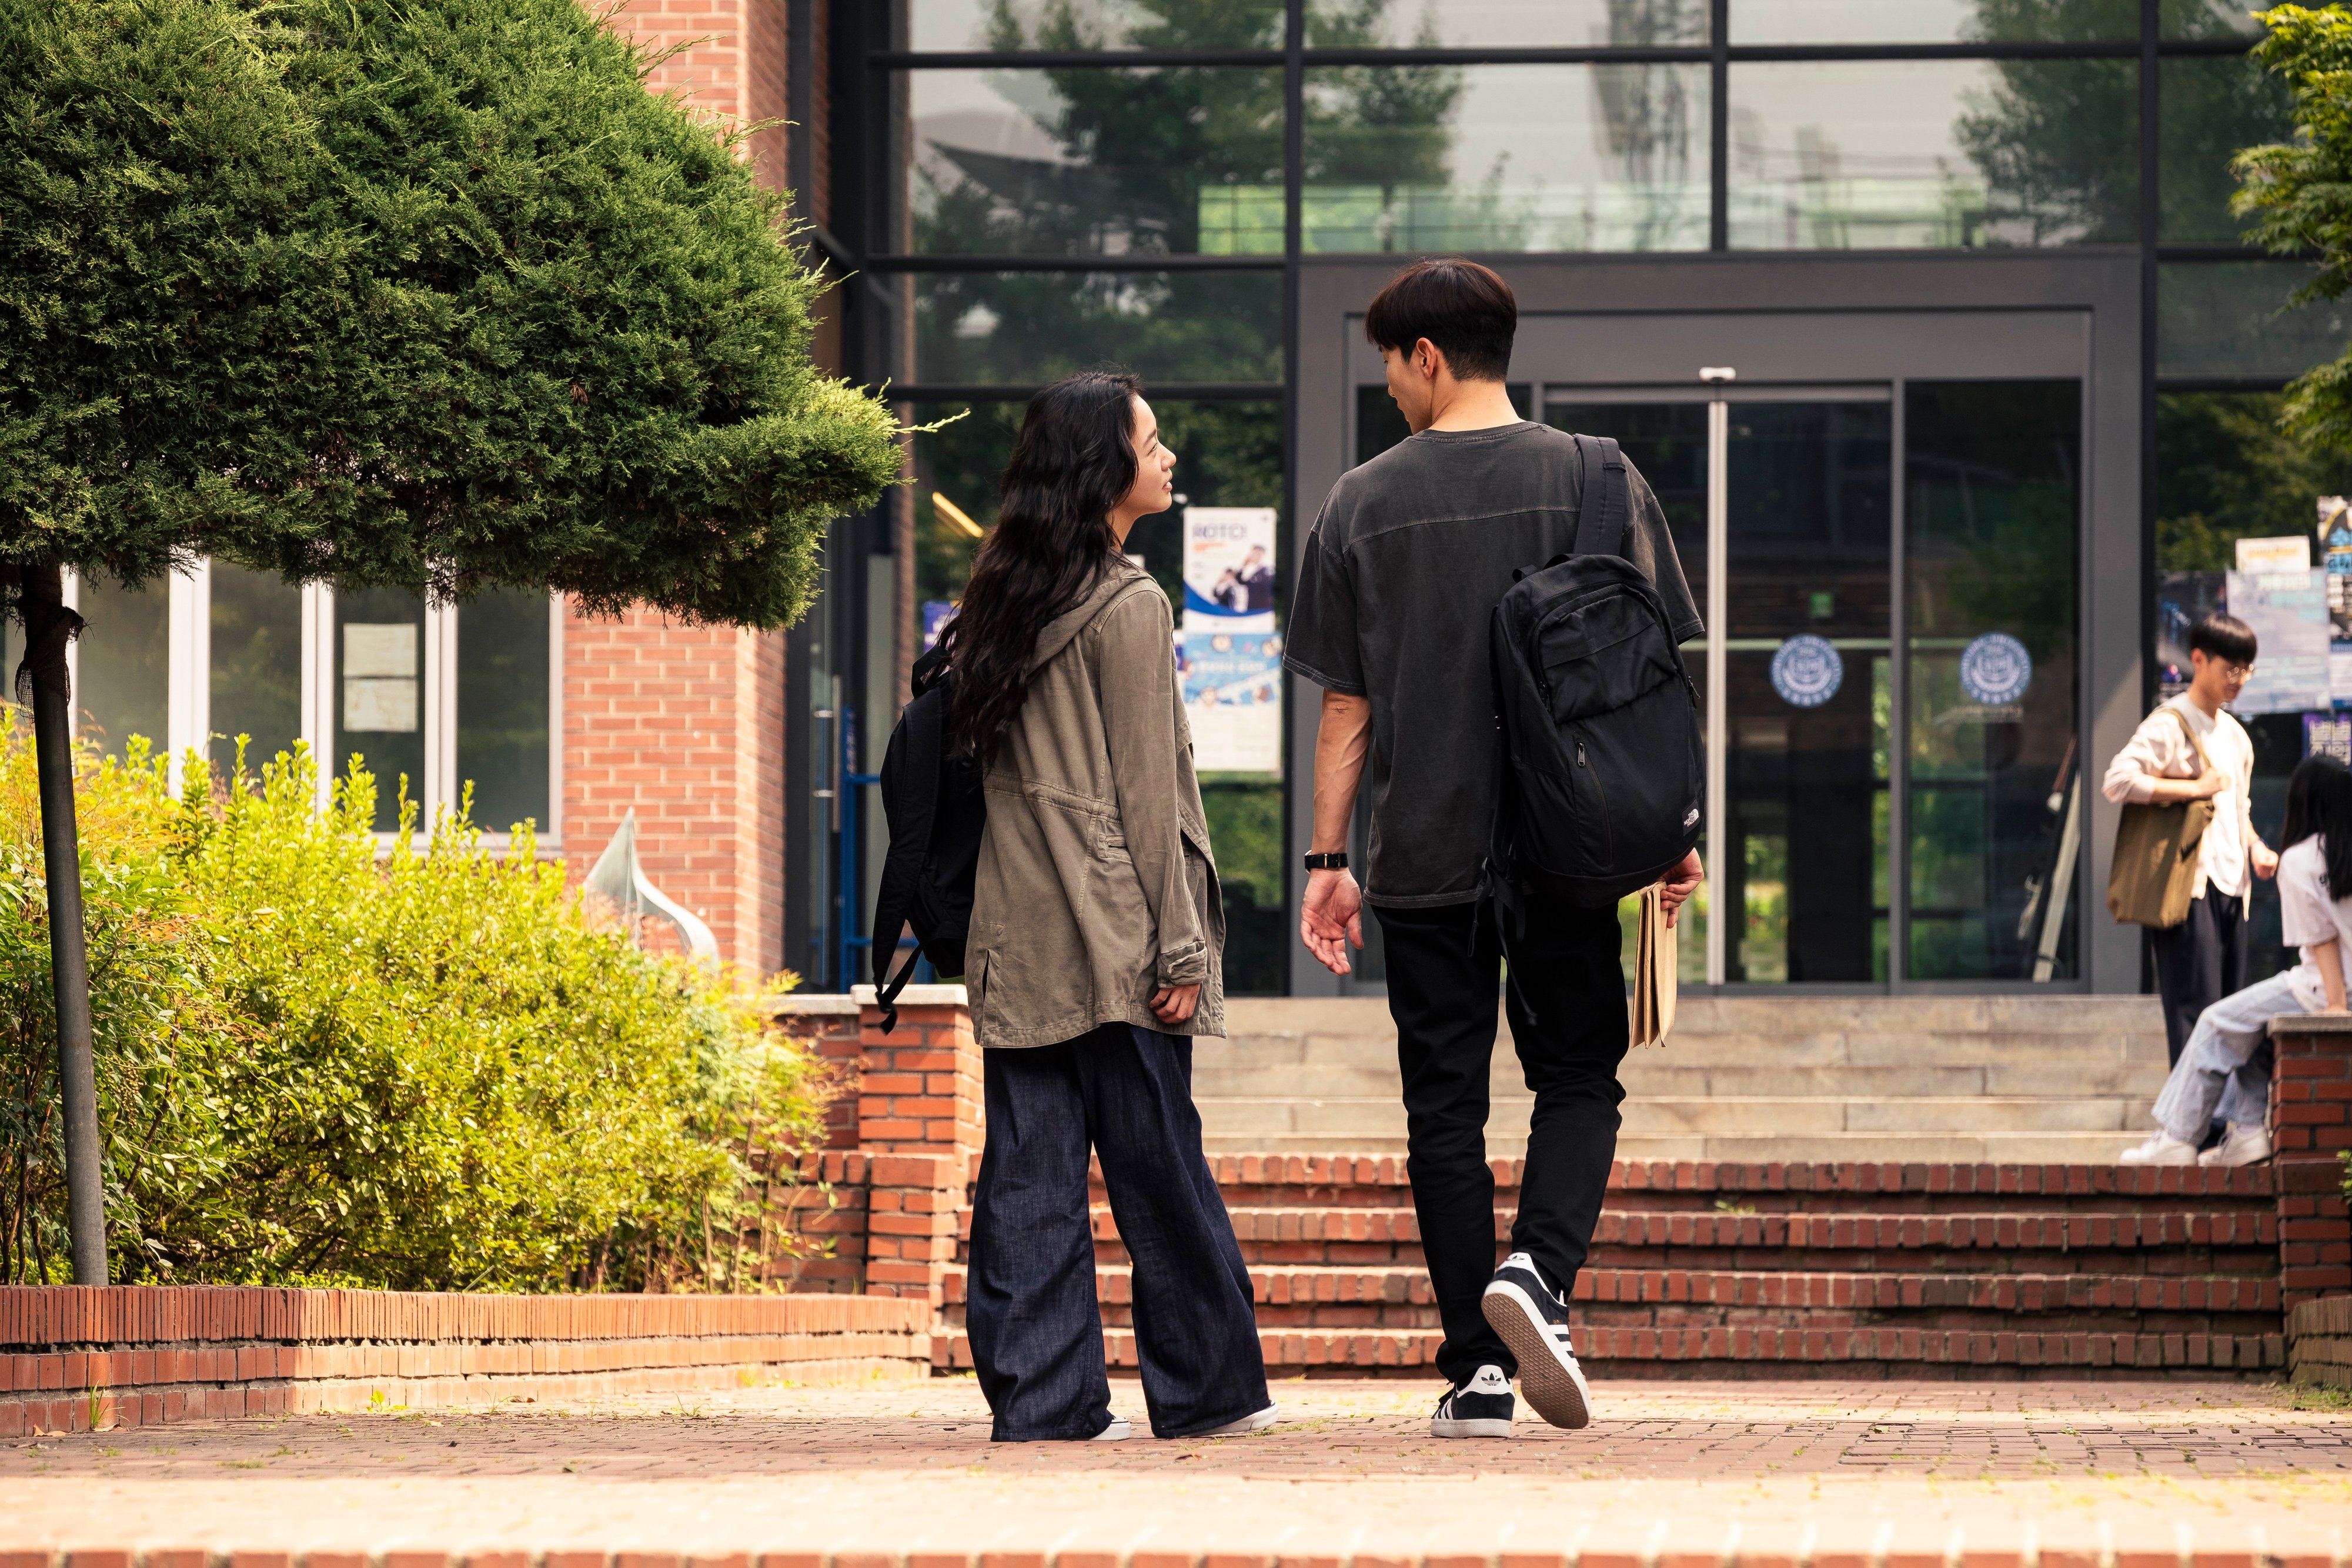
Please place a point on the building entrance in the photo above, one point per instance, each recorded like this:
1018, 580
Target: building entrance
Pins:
1884, 517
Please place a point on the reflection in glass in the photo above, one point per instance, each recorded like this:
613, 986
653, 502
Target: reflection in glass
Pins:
2212, 108
379, 694
503, 708
1907, 154
1992, 519
1801, 872
1470, 24
257, 665
2208, 19
122, 681
1096, 163
1095, 24
1931, 21
1029, 328
2231, 319
1510, 157
2224, 470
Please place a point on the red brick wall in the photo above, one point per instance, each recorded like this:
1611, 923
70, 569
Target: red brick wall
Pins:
686, 725
2310, 1126
708, 71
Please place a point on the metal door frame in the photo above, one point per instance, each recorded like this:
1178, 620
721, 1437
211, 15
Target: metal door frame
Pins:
1827, 321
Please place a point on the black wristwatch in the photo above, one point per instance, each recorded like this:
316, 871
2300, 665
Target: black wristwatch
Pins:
1335, 861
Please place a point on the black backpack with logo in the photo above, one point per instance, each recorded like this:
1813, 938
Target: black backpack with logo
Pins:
1600, 772
936, 812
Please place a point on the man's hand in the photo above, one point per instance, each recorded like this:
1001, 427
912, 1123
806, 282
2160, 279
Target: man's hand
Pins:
2266, 860
1679, 884
1331, 918
1175, 1004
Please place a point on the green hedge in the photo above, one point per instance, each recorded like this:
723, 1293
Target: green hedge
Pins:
324, 1062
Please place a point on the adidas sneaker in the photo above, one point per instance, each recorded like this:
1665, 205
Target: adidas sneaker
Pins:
1534, 1324
1481, 1408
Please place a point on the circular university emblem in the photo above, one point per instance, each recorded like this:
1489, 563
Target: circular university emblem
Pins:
1807, 670
1996, 669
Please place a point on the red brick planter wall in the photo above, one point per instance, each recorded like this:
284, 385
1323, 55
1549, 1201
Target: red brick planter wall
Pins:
2310, 1126
73, 1358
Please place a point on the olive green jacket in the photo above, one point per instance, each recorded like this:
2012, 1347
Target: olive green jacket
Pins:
1096, 885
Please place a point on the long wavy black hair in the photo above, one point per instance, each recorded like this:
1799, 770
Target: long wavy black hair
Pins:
1072, 463
2319, 801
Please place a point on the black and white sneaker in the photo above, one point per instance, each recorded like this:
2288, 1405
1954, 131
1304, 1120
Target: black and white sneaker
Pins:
1481, 1408
1534, 1324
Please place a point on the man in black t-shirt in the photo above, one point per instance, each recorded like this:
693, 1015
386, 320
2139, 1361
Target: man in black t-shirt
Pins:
1399, 581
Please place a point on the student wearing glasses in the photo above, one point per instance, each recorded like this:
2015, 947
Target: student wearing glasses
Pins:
2190, 749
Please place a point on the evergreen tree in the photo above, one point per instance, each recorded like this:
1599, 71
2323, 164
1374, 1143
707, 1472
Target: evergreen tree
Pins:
433, 296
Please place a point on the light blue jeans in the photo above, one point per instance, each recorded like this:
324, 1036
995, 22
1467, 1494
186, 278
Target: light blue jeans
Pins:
2227, 1062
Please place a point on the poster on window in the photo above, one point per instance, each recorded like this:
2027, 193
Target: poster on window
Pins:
2288, 613
1229, 569
1233, 698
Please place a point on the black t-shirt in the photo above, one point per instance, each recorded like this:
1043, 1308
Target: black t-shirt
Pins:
1402, 572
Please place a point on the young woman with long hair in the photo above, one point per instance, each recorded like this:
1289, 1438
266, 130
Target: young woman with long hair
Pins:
2227, 1062
1096, 948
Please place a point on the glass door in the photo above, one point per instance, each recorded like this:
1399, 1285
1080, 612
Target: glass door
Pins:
1888, 674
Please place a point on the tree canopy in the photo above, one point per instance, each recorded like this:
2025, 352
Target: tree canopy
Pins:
434, 295
2299, 193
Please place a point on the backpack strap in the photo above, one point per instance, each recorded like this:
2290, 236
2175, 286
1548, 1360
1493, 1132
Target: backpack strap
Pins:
1602, 512
914, 755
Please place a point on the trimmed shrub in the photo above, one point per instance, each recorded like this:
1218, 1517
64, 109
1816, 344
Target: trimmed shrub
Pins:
321, 1061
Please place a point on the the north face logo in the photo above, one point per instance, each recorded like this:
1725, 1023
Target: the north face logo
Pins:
1690, 817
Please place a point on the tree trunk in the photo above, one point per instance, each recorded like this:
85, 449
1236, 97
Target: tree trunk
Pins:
48, 627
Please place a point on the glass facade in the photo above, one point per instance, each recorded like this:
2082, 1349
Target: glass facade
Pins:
256, 678
122, 665
1151, 182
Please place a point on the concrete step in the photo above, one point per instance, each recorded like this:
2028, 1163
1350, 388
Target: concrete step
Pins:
1507, 1139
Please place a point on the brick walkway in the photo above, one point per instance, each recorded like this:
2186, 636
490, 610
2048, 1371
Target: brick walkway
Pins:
1906, 1475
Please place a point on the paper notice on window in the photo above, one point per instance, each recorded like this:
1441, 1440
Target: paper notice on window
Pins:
1232, 700
1229, 569
386, 649
2287, 611
372, 703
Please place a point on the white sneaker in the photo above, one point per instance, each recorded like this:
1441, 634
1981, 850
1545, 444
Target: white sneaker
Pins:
1119, 1430
2244, 1146
2162, 1149
1257, 1421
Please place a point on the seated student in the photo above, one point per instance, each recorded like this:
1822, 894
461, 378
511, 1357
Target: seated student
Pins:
2227, 1060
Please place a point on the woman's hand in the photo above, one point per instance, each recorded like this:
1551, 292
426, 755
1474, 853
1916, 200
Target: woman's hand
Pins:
1175, 1004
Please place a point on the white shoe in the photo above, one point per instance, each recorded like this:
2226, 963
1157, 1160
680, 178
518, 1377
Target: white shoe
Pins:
1257, 1421
2162, 1149
1119, 1430
2244, 1146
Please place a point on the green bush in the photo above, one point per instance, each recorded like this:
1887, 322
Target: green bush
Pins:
418, 1069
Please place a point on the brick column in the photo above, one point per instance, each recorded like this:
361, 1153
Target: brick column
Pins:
918, 1089
2311, 1125
829, 1023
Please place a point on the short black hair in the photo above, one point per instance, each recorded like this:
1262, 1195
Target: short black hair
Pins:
1465, 310
2223, 637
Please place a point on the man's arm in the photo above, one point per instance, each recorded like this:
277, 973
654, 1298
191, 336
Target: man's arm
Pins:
1331, 916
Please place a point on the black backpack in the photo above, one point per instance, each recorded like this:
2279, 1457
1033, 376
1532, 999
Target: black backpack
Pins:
937, 813
1601, 770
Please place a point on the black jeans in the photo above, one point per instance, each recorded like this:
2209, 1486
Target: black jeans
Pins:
1567, 1006
2199, 962
1036, 1334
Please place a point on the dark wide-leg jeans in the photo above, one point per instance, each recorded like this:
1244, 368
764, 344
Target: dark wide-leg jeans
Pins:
1566, 1001
1036, 1334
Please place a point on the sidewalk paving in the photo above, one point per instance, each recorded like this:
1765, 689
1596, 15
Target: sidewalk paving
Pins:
1672, 1474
